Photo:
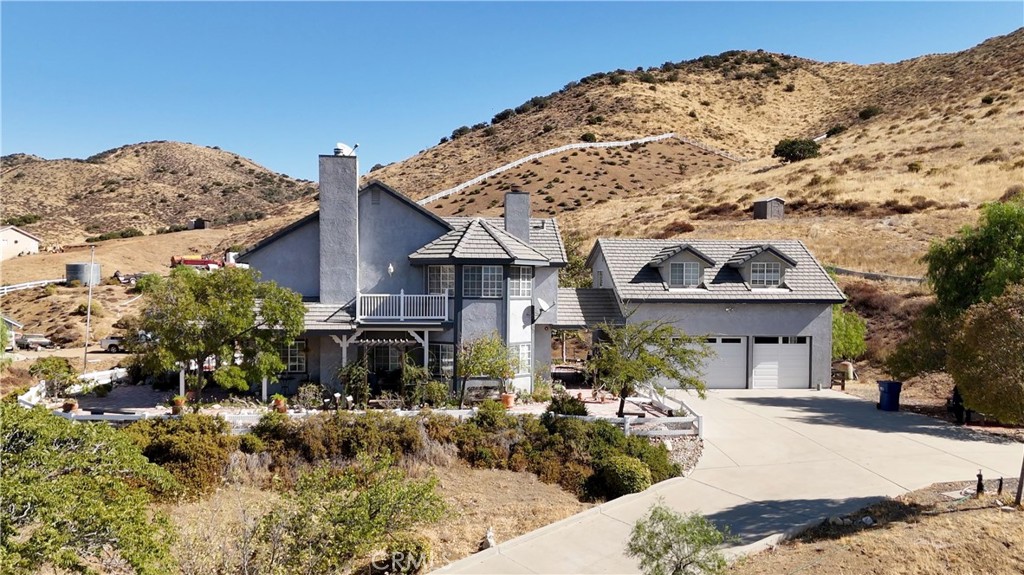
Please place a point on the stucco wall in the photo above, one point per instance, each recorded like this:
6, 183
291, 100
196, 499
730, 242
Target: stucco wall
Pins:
480, 317
600, 268
293, 261
813, 320
339, 245
388, 233
545, 287
16, 243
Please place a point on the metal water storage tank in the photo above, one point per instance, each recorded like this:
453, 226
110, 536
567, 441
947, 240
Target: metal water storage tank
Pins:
81, 272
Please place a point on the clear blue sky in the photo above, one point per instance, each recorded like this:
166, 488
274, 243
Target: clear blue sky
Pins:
280, 83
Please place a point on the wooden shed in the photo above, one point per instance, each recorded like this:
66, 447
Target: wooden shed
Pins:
769, 209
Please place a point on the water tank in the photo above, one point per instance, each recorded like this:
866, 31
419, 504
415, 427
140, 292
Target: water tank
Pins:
81, 272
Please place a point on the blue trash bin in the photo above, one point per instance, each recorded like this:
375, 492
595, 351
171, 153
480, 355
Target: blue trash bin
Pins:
889, 395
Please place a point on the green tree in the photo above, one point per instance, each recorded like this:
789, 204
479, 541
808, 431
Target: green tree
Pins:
848, 331
669, 543
794, 150
986, 359
5, 338
575, 274
337, 515
193, 316
57, 372
76, 495
486, 356
628, 355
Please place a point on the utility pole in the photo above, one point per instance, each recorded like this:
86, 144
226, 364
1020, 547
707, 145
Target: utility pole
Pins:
88, 308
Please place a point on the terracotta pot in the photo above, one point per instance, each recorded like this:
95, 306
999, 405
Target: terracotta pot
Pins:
177, 409
70, 405
508, 400
280, 406
178, 401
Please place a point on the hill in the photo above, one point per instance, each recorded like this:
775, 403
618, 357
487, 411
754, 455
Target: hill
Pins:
145, 186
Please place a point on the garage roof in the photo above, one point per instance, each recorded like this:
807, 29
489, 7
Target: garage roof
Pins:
587, 307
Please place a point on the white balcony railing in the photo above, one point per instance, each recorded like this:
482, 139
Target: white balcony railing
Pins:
402, 307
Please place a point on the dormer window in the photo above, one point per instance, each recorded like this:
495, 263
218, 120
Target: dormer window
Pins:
765, 274
684, 274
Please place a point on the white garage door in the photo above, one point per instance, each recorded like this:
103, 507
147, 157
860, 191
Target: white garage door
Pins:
781, 362
728, 368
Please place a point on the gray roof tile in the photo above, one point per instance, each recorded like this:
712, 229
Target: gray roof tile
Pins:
478, 240
545, 236
578, 307
327, 316
634, 279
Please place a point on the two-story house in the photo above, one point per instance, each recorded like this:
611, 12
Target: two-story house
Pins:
382, 277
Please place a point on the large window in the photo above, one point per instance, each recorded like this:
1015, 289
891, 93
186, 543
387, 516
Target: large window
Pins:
441, 278
442, 359
383, 358
684, 274
522, 351
520, 281
765, 274
482, 281
293, 355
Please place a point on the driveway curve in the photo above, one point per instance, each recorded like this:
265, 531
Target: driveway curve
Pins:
774, 461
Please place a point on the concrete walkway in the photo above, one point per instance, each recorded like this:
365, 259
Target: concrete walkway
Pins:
773, 461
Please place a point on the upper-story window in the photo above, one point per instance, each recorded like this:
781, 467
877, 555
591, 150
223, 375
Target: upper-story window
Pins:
520, 281
684, 274
441, 278
765, 274
482, 281
599, 278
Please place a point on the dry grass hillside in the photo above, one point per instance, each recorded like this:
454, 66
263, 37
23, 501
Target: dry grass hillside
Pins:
146, 186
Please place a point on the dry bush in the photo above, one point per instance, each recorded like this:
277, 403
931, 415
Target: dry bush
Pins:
674, 229
870, 301
1014, 192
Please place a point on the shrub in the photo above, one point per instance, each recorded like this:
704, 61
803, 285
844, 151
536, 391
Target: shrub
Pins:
869, 112
460, 131
1013, 193
249, 443
503, 115
194, 448
789, 88
541, 390
124, 233
914, 167
675, 228
988, 99
565, 404
589, 137
623, 475
835, 130
57, 372
795, 150
22, 220
432, 393
492, 416
406, 555
309, 396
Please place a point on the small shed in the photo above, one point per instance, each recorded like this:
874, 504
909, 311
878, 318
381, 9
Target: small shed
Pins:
15, 242
197, 224
769, 209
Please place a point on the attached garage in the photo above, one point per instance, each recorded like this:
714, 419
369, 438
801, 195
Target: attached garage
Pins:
727, 369
781, 362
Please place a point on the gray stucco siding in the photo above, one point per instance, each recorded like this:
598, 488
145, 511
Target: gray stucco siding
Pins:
545, 287
480, 317
774, 319
388, 232
293, 261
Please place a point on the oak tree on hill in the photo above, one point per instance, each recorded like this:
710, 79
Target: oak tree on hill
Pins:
794, 150
226, 314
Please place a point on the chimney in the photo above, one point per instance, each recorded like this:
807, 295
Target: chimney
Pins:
517, 215
339, 226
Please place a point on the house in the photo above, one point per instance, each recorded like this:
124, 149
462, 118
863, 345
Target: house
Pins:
16, 242
13, 331
384, 278
764, 307
769, 209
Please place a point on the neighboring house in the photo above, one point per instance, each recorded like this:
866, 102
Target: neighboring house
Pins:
16, 242
382, 277
13, 330
763, 306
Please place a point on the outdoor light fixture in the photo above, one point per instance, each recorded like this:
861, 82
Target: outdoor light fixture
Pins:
391, 270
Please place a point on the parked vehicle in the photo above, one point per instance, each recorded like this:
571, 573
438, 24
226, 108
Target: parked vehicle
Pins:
113, 343
33, 341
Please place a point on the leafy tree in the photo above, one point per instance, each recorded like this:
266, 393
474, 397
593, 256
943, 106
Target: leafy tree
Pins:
335, 516
635, 353
986, 359
193, 316
57, 372
795, 150
575, 274
848, 331
669, 543
76, 495
487, 356
5, 338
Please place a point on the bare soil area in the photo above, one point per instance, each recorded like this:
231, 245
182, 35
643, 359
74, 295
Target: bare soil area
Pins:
921, 533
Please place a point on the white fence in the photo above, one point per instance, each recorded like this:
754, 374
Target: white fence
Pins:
4, 290
568, 147
402, 307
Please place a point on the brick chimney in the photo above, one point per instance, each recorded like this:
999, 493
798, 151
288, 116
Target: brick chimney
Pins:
339, 226
517, 215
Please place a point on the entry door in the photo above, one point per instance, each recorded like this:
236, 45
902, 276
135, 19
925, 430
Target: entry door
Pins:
728, 368
782, 362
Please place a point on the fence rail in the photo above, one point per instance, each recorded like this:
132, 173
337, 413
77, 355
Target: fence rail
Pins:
877, 276
4, 290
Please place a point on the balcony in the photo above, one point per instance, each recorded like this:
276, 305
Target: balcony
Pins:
402, 307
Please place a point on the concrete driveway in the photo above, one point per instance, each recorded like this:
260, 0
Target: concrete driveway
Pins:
773, 461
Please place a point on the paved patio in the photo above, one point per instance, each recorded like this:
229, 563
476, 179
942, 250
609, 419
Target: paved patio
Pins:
773, 461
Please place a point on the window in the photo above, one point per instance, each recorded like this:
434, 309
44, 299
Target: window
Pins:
599, 278
482, 281
293, 355
523, 352
520, 281
684, 274
442, 359
384, 358
765, 274
441, 278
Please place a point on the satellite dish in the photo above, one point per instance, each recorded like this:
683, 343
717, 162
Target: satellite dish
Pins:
543, 305
342, 149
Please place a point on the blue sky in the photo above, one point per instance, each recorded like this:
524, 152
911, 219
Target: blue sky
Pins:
280, 83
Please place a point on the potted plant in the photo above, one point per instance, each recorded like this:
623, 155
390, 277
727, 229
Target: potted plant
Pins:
508, 391
177, 404
70, 405
280, 403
